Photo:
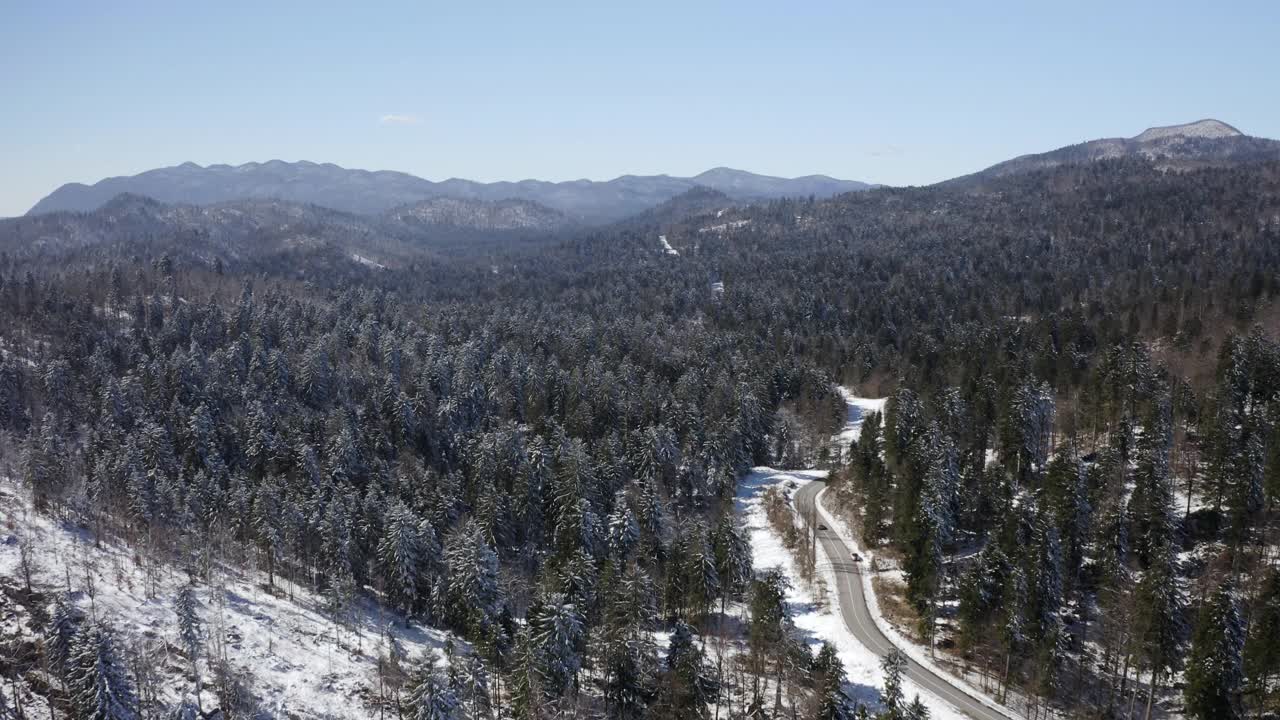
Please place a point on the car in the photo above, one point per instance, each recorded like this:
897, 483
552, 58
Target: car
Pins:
821, 526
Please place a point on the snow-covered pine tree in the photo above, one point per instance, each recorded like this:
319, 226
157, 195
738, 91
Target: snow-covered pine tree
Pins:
525, 683
1151, 503
627, 649
1159, 625
64, 628
1045, 599
558, 636
189, 630
401, 553
833, 703
622, 528
1261, 651
892, 697
917, 710
98, 679
429, 695
732, 557
1214, 671
473, 597
687, 686
471, 686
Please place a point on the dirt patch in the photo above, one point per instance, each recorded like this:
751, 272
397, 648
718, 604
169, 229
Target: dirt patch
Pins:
892, 597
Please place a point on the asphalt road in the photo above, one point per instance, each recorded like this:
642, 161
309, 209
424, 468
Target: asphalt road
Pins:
853, 607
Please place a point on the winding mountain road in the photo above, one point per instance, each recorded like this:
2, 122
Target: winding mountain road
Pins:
853, 608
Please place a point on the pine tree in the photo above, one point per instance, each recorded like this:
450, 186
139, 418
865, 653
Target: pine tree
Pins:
189, 631
828, 680
469, 679
766, 634
558, 636
1045, 599
401, 558
1261, 651
1214, 670
429, 696
893, 664
687, 687
1151, 504
1158, 625
98, 680
629, 653
526, 680
623, 530
732, 558
917, 710
61, 636
473, 597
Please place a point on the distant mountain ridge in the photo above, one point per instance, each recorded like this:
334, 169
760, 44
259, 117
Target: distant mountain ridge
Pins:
369, 192
1186, 146
243, 230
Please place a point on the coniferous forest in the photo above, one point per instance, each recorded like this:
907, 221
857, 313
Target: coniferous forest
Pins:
533, 444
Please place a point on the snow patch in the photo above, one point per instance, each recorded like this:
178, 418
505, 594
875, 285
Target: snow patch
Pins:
856, 411
723, 227
367, 262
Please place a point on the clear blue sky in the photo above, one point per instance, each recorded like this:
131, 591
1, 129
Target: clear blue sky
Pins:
901, 93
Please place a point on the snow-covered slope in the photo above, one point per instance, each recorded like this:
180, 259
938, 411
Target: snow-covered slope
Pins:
1208, 128
481, 215
287, 649
856, 411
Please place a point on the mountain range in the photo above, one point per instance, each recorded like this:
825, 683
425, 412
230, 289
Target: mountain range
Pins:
365, 192
301, 213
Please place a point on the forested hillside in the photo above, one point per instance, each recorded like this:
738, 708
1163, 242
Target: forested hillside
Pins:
536, 447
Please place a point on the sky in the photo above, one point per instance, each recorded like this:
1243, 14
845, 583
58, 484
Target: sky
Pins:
890, 92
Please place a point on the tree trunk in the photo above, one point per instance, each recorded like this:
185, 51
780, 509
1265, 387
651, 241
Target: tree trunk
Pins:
1151, 693
777, 691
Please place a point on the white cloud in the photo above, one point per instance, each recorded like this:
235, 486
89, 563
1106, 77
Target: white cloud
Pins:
399, 119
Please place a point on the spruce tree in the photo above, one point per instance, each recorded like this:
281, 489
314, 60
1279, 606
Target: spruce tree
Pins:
687, 687
430, 697
828, 681
98, 680
1214, 669
892, 697
1261, 650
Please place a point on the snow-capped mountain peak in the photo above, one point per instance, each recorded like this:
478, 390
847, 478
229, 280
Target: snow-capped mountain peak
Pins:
1208, 128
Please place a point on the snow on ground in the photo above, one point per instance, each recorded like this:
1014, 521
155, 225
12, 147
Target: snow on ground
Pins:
367, 262
857, 410
285, 650
666, 246
1198, 501
725, 226
816, 622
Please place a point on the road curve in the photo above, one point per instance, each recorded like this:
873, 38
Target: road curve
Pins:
853, 608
